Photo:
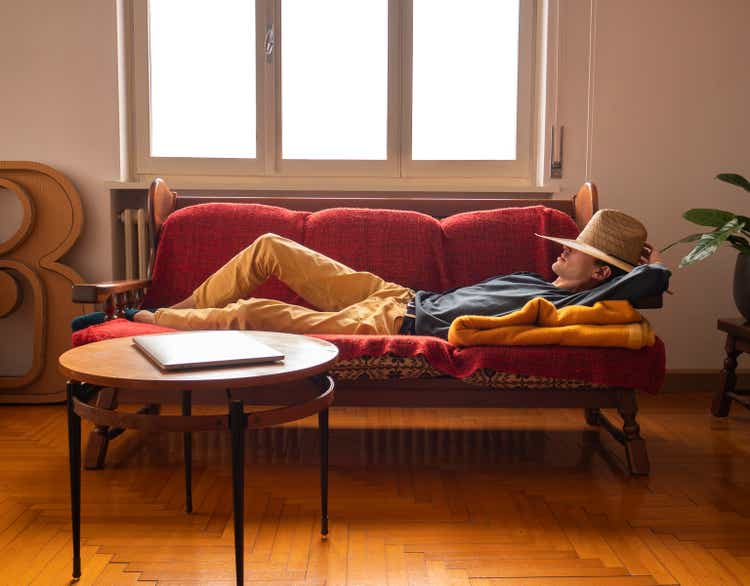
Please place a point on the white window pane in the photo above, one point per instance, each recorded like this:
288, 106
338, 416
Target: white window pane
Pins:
465, 79
202, 65
334, 81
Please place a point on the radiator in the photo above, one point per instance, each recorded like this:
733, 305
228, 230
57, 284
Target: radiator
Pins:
135, 243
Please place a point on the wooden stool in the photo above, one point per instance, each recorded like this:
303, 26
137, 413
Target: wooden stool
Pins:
738, 341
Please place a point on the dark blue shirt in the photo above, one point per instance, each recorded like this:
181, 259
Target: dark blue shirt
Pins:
501, 295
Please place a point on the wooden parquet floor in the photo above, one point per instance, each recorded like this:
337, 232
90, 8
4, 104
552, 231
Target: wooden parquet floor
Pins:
479, 497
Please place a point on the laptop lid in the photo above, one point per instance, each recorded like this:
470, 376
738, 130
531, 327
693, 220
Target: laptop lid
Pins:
200, 349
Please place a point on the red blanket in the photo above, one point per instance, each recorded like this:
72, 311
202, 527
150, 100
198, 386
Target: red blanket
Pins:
617, 367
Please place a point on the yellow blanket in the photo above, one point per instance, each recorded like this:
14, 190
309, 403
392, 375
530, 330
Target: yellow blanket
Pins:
539, 322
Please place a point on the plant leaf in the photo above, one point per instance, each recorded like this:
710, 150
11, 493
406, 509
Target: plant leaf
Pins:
734, 179
710, 243
708, 217
691, 238
733, 225
706, 247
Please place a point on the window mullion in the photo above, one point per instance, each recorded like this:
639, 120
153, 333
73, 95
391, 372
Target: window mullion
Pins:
395, 94
269, 70
406, 15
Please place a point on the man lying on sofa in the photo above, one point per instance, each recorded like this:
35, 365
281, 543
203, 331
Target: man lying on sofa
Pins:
609, 260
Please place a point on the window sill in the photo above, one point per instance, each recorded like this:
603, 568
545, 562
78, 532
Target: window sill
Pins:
328, 185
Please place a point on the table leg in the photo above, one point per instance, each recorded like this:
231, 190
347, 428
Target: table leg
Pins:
74, 456
323, 429
722, 401
237, 427
187, 444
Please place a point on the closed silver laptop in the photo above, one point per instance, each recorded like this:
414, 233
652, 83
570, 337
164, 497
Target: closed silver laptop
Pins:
199, 349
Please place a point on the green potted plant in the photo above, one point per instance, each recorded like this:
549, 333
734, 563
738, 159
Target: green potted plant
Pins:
728, 229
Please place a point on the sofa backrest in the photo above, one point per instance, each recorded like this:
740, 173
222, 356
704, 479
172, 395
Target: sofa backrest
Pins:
483, 244
409, 248
195, 241
401, 246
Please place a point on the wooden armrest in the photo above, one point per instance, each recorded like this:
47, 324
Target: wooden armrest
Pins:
654, 302
100, 292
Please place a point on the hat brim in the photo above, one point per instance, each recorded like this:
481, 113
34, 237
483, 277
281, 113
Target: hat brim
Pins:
591, 251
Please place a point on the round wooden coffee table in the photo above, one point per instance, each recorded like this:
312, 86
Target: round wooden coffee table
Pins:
118, 364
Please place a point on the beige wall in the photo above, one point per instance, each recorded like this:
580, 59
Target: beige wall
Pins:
58, 106
671, 95
669, 112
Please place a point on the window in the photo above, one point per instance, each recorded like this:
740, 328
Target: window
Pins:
398, 89
334, 79
202, 86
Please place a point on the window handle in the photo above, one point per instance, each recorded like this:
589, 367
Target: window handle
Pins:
269, 43
556, 166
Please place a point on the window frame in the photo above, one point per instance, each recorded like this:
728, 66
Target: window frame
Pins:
147, 164
398, 168
520, 167
388, 167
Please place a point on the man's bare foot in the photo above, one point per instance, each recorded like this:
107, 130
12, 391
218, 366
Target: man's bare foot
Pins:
187, 303
144, 317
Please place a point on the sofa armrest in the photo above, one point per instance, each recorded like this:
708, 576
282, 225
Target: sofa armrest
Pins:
101, 292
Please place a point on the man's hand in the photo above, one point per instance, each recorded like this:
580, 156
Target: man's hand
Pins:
649, 255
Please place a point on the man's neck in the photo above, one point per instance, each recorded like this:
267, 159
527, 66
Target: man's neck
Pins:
569, 285
561, 283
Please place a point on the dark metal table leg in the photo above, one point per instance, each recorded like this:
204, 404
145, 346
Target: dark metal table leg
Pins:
187, 440
74, 454
323, 429
237, 427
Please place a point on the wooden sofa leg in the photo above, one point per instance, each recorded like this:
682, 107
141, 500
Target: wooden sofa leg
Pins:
635, 445
98, 441
96, 446
630, 434
592, 416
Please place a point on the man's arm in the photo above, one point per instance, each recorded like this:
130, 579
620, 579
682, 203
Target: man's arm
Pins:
649, 279
644, 281
649, 255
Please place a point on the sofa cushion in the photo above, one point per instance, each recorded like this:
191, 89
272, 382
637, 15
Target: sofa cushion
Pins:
483, 244
116, 328
197, 240
401, 246
617, 367
390, 367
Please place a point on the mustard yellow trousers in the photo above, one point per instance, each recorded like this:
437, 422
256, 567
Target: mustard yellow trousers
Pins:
350, 302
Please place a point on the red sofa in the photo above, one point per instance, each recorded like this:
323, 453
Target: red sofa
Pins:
422, 252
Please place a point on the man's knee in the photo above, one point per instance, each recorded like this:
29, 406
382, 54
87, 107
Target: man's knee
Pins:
271, 239
274, 244
265, 243
267, 237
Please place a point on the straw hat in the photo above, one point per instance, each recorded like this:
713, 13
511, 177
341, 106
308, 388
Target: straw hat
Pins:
611, 236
